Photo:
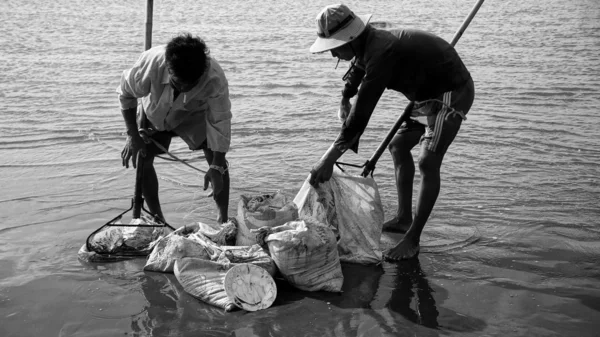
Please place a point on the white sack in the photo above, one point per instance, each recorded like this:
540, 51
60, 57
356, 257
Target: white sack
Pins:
204, 279
176, 246
305, 253
351, 206
268, 210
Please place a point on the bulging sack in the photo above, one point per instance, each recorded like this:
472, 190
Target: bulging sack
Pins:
305, 253
176, 246
200, 264
199, 240
221, 234
268, 210
204, 279
351, 206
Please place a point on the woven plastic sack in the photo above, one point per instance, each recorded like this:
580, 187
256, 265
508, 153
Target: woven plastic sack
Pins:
305, 253
176, 246
204, 279
199, 240
351, 206
221, 234
268, 210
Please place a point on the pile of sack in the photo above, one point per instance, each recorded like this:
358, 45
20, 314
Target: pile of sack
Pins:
302, 240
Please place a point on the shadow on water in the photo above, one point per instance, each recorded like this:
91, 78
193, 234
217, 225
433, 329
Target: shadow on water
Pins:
383, 300
401, 289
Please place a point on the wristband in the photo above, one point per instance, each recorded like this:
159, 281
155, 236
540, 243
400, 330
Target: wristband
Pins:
221, 169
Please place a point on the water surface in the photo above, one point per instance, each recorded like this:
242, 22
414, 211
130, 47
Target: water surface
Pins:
512, 247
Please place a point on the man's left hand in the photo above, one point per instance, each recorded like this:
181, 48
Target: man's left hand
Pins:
321, 172
215, 178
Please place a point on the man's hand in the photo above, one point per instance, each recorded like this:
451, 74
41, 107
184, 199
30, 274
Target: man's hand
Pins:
323, 169
133, 145
215, 178
320, 173
344, 110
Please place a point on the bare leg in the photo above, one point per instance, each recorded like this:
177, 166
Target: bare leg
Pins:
222, 199
150, 187
429, 165
404, 170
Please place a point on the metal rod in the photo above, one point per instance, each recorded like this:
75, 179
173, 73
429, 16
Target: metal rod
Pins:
370, 164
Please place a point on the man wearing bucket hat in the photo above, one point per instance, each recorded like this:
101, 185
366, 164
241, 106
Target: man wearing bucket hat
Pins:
429, 72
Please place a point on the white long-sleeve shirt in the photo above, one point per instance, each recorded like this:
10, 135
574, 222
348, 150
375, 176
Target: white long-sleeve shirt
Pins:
203, 113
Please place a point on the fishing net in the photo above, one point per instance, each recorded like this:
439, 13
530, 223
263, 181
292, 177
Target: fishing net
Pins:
117, 241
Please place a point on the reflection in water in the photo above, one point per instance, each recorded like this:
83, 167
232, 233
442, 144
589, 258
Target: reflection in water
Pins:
412, 297
406, 291
161, 312
171, 311
377, 300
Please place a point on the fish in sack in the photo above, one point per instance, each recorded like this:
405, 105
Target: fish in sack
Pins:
117, 241
351, 206
268, 210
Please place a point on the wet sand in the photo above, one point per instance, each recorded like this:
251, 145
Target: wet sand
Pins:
446, 291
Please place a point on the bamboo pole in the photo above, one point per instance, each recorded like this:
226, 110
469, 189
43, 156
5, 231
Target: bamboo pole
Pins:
138, 198
466, 23
370, 164
149, 9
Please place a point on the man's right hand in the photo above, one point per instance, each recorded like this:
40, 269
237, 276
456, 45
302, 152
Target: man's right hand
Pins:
133, 145
344, 110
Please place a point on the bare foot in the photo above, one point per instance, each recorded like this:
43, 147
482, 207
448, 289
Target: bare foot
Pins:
404, 250
397, 225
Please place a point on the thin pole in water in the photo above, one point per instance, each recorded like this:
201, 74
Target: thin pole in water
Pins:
370, 164
138, 199
148, 40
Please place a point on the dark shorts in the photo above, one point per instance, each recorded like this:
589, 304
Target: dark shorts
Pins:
438, 120
164, 139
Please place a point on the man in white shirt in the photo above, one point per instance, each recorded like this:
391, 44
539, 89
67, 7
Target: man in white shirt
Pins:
183, 93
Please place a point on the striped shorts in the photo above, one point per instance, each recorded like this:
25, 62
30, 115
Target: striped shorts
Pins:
439, 119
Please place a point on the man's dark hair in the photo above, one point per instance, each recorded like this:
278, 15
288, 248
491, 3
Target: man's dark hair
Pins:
186, 56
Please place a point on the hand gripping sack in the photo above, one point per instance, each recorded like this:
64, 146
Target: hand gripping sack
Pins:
305, 253
351, 206
268, 210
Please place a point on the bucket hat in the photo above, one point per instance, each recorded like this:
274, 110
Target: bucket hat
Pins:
336, 26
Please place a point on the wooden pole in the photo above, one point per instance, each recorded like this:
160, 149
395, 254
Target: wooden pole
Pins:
138, 199
148, 40
466, 23
370, 164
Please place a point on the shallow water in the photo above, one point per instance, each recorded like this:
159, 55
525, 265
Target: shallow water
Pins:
512, 247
